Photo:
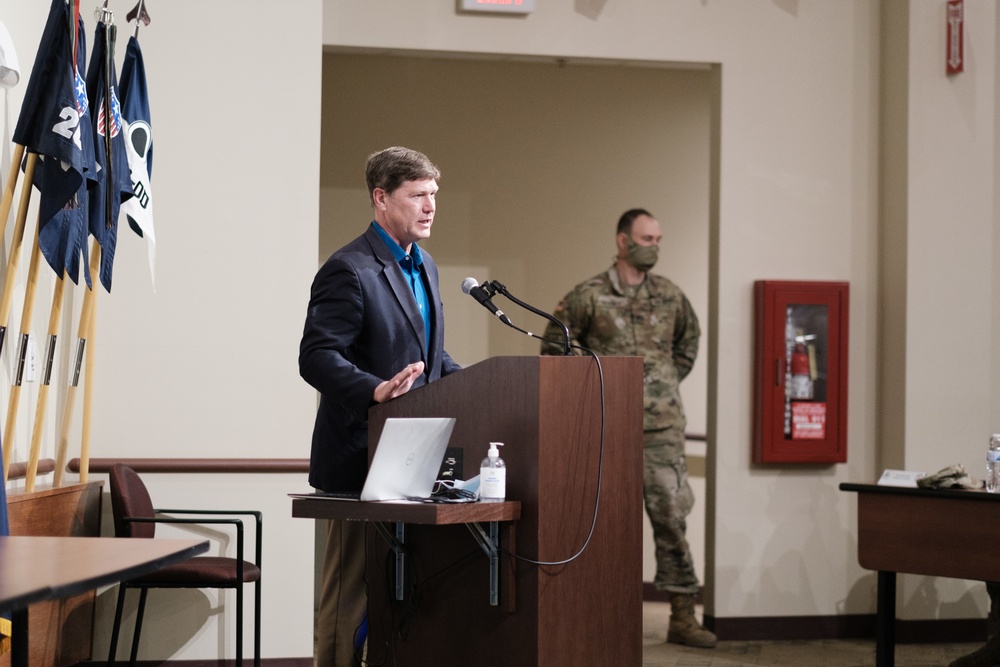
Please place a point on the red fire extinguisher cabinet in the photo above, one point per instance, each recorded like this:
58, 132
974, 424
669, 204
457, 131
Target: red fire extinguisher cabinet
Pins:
800, 372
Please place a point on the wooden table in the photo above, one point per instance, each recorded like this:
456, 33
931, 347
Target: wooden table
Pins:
934, 532
33, 569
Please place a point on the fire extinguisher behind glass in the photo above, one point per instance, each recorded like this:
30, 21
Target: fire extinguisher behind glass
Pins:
801, 385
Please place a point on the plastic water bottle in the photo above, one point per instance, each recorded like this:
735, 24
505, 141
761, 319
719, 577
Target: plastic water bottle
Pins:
993, 465
493, 476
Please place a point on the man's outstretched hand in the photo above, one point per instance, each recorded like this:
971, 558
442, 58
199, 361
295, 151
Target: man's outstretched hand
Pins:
400, 383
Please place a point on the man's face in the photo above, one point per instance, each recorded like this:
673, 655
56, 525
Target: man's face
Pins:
407, 213
645, 232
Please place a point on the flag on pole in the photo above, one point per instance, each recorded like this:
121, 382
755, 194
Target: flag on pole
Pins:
49, 123
139, 148
109, 149
63, 238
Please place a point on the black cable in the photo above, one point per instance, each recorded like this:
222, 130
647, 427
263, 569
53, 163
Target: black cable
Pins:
409, 606
600, 477
419, 585
388, 646
493, 287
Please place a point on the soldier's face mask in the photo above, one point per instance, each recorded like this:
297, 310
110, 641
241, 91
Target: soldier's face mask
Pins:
642, 257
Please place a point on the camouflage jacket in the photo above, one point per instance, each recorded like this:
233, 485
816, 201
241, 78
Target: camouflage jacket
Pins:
654, 320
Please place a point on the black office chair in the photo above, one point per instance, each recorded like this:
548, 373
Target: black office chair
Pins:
135, 516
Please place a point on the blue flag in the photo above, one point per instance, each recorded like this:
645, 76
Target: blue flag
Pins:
63, 238
139, 146
49, 123
115, 183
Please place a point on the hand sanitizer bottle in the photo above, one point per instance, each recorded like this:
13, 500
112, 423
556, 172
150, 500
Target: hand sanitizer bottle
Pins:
493, 476
992, 465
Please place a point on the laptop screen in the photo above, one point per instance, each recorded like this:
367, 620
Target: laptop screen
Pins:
407, 458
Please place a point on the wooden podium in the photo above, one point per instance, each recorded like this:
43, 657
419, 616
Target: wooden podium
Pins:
548, 412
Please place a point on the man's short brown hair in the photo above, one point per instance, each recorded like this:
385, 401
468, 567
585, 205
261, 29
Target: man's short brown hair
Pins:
391, 167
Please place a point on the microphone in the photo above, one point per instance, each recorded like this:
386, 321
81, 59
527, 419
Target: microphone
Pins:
471, 286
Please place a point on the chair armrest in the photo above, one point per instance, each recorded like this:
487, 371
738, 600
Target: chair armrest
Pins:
258, 517
235, 522
165, 519
255, 513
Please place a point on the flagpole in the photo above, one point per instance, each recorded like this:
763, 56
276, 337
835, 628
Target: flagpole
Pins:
88, 392
14, 256
7, 296
55, 314
27, 309
89, 300
110, 32
110, 170
140, 15
8, 190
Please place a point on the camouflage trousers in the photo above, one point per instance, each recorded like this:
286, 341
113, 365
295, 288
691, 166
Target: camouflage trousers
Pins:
669, 500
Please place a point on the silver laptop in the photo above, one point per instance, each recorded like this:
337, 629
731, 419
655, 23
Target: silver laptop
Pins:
408, 458
406, 463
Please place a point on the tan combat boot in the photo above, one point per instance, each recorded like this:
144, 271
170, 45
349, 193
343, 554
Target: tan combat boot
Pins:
684, 627
985, 656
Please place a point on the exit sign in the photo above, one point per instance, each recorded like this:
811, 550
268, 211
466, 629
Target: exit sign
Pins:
507, 6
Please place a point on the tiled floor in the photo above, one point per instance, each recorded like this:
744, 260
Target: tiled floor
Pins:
819, 653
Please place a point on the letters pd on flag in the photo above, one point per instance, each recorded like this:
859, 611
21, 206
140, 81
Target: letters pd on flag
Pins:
139, 148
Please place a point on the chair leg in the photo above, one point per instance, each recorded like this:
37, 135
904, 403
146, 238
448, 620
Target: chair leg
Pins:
118, 622
256, 624
138, 625
239, 624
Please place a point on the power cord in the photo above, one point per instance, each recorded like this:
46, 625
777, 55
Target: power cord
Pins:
600, 474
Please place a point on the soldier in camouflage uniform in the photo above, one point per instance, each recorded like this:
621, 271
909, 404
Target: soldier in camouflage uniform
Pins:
628, 311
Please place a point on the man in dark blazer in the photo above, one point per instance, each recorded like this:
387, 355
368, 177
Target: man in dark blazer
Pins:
374, 330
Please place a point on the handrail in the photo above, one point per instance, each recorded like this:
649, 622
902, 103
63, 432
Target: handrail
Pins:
20, 470
198, 465
165, 465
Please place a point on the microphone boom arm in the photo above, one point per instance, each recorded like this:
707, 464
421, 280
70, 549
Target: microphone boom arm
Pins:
499, 287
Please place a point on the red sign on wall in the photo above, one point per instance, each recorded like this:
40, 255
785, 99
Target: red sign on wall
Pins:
956, 40
808, 421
